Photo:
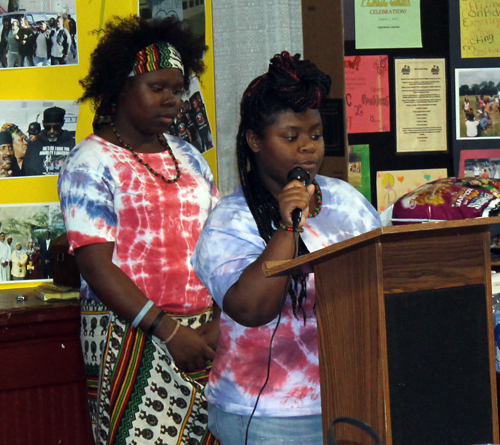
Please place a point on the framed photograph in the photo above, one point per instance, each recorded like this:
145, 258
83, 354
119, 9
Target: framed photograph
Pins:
477, 103
480, 163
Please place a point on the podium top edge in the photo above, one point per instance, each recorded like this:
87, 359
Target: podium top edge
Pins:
306, 263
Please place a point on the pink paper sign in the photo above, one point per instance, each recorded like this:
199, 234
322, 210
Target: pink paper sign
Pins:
367, 94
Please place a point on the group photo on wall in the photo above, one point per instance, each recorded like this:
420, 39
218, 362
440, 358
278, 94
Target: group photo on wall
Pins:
38, 33
478, 108
26, 235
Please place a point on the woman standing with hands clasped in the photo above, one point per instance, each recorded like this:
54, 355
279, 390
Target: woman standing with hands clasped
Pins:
280, 130
134, 201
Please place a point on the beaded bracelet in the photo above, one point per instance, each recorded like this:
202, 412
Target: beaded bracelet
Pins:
156, 321
171, 336
290, 229
142, 313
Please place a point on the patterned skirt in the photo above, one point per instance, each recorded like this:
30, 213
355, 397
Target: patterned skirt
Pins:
136, 393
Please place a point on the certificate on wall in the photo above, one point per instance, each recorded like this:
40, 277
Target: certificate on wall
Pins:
387, 24
420, 105
367, 94
480, 28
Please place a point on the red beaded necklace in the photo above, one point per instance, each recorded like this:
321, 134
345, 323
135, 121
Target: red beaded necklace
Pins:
141, 161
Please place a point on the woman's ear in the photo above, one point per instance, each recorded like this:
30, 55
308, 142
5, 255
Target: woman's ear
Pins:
126, 86
253, 141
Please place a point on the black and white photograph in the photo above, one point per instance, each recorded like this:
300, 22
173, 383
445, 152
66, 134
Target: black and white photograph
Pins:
191, 11
36, 136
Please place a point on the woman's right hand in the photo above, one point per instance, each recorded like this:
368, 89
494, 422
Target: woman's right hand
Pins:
189, 350
295, 196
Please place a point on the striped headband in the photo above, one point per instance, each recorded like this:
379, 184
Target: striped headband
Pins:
155, 57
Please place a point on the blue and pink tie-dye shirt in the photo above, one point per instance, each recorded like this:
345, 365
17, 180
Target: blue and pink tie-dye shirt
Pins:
107, 196
228, 244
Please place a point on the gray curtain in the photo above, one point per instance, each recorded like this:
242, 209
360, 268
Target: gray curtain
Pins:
246, 35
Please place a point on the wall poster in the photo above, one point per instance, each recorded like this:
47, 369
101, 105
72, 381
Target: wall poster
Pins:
479, 28
367, 94
387, 24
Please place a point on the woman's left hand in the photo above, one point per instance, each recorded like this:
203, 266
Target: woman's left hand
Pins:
210, 332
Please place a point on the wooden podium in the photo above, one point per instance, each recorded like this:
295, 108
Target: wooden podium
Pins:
406, 332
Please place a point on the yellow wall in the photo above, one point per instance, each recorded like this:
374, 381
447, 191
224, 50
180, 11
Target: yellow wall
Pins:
61, 83
208, 85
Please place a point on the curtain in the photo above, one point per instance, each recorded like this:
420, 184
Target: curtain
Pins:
246, 36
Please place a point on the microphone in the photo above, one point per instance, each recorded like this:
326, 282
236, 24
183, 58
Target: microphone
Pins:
302, 175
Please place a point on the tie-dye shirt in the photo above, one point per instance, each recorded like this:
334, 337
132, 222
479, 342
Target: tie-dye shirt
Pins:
108, 196
228, 244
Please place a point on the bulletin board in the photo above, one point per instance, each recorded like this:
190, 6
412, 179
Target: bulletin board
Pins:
474, 60
384, 153
60, 83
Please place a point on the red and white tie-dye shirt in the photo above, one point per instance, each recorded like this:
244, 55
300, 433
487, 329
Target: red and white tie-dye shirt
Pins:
108, 196
229, 243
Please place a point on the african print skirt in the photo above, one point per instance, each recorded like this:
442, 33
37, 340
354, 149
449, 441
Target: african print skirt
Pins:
136, 393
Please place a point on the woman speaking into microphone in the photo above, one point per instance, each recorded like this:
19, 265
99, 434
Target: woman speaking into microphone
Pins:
264, 386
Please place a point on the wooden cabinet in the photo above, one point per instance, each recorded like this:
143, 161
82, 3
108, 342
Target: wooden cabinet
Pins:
42, 381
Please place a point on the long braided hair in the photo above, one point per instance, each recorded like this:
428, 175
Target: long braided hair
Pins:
289, 84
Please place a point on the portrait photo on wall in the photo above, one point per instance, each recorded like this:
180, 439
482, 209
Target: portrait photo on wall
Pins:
38, 33
36, 136
480, 163
478, 110
192, 123
26, 235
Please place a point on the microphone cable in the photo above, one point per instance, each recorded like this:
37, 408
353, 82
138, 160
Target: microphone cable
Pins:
282, 303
